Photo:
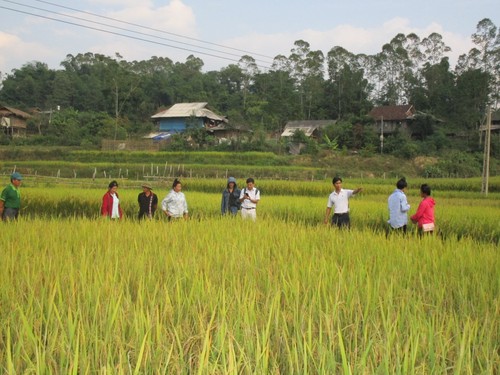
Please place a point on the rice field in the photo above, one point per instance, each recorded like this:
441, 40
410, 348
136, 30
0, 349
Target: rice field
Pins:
212, 295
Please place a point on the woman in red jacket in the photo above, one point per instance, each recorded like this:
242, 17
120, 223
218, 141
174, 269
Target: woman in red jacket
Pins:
111, 202
424, 217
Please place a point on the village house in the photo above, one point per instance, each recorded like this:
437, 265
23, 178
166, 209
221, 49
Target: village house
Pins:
181, 116
392, 118
13, 122
310, 128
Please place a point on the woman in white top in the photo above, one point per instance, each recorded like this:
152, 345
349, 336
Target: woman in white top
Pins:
111, 202
174, 205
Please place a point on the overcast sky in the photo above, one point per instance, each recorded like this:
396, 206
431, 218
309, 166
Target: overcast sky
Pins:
260, 28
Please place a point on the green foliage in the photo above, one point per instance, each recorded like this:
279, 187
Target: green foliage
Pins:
456, 164
342, 131
400, 144
331, 144
118, 97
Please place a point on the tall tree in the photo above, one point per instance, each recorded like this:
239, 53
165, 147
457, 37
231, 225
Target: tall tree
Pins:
307, 70
347, 89
485, 56
28, 87
249, 69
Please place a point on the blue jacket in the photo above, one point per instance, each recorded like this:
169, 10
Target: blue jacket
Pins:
224, 206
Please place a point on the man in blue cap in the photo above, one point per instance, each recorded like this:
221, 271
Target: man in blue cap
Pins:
10, 199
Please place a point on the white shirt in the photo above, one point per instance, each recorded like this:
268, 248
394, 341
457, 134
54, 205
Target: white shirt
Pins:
254, 194
175, 203
340, 201
115, 211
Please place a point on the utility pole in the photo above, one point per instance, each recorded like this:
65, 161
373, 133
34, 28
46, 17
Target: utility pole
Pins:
382, 135
116, 108
486, 157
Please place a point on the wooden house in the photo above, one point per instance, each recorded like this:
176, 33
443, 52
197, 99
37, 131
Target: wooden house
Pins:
392, 118
13, 122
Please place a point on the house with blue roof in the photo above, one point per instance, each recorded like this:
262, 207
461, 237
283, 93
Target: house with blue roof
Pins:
181, 116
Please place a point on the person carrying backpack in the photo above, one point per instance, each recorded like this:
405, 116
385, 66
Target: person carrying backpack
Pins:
249, 197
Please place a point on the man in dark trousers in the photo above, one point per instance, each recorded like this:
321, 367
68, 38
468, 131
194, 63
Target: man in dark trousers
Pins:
148, 202
10, 199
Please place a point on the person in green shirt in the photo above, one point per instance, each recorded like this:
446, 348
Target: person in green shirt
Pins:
10, 199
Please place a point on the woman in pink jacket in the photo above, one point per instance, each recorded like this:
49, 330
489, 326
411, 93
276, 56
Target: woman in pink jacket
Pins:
424, 217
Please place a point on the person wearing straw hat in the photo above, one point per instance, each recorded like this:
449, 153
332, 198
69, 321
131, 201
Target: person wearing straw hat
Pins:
148, 202
10, 199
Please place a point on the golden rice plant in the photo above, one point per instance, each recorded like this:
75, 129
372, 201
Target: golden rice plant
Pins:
223, 295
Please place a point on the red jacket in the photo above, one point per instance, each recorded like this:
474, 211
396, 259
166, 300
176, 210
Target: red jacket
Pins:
107, 205
425, 212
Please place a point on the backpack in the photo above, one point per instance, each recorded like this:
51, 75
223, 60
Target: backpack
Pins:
256, 191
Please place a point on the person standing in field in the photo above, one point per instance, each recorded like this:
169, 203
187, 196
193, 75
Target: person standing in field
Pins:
339, 199
249, 197
148, 202
230, 198
10, 199
398, 207
111, 203
424, 217
174, 205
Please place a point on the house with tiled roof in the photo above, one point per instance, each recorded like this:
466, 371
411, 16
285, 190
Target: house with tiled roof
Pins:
13, 122
391, 118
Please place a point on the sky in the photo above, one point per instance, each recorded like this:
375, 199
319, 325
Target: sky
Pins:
221, 31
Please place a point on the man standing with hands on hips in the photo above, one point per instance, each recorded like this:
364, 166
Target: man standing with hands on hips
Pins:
339, 199
249, 197
10, 199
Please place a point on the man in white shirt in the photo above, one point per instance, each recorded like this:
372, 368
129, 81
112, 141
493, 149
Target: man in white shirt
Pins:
339, 199
249, 197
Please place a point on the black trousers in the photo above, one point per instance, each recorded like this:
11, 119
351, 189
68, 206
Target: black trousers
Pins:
341, 220
10, 213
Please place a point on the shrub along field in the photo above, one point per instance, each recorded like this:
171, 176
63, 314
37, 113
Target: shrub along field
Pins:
287, 294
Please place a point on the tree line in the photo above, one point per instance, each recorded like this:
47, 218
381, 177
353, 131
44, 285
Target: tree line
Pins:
108, 97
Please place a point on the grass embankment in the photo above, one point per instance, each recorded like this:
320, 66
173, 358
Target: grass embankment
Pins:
63, 162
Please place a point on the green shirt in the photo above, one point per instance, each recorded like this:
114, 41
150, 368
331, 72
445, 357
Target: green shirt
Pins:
11, 196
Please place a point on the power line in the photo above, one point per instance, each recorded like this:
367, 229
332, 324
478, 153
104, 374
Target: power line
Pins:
127, 30
153, 29
127, 36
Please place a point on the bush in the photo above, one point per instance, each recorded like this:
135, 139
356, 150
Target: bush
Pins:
458, 164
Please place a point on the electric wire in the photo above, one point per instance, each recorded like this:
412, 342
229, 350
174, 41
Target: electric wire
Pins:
127, 30
130, 36
153, 29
